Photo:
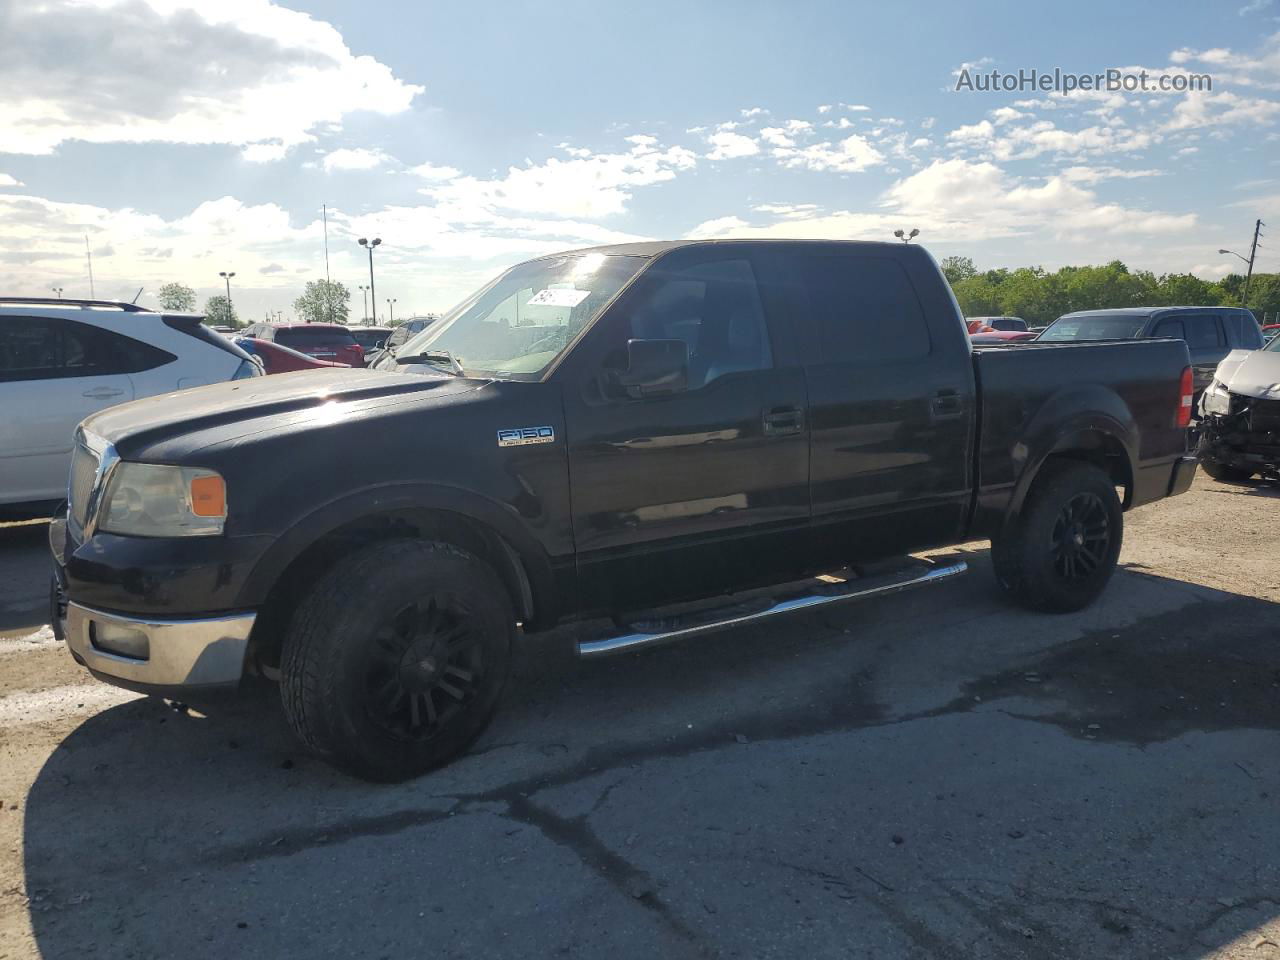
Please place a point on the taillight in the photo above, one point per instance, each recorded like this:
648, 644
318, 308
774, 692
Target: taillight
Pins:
1187, 390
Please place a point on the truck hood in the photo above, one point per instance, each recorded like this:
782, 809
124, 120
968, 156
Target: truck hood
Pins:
249, 406
1251, 373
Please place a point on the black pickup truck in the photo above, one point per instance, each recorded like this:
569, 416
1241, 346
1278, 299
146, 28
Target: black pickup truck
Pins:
677, 436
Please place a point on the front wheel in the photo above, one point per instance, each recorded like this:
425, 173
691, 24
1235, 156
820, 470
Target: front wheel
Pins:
1060, 552
1223, 473
395, 661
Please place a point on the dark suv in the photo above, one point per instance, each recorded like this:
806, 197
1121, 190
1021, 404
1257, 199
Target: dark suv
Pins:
1210, 332
324, 341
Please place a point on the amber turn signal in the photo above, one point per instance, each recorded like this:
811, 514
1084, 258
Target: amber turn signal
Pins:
208, 496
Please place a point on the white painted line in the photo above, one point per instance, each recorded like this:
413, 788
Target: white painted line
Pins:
79, 699
42, 639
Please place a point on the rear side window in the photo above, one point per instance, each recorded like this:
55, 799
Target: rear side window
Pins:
1199, 330
865, 310
46, 348
1242, 330
303, 337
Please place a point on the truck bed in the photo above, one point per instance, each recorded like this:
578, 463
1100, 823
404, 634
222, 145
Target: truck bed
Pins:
1034, 396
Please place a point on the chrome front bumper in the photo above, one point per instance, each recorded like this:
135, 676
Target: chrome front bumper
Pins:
183, 654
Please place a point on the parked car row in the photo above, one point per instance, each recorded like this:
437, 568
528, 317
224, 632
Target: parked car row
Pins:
63, 360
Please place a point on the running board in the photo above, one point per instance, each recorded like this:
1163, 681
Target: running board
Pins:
859, 589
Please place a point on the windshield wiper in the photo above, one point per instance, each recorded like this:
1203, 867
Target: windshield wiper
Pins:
434, 356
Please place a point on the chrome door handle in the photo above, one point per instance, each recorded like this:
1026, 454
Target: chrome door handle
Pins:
102, 393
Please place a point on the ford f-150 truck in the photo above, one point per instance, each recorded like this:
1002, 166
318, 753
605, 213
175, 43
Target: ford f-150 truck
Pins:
678, 437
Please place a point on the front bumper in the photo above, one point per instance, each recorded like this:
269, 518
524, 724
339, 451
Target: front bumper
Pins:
183, 656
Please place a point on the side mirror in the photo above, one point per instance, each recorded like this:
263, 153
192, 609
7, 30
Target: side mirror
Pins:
655, 367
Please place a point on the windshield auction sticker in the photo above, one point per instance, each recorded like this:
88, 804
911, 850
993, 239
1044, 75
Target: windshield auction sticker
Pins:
558, 297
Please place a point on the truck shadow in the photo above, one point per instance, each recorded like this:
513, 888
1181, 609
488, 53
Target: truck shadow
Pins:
24, 577
143, 809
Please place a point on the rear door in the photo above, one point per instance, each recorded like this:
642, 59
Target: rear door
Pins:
892, 401
688, 494
53, 374
1205, 339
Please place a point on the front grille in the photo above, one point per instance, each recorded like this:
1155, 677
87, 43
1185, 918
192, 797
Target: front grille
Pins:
84, 471
1265, 416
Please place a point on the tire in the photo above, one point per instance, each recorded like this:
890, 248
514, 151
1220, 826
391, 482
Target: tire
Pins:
1221, 472
1058, 556
396, 660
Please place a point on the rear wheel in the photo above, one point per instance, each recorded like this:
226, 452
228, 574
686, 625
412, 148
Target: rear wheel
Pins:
1059, 554
394, 662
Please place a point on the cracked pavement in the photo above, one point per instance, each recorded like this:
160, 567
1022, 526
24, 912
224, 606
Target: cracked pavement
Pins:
934, 774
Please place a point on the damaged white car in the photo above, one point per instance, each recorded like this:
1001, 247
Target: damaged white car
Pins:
1240, 416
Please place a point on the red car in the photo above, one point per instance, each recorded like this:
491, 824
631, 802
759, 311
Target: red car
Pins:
278, 359
324, 341
1002, 336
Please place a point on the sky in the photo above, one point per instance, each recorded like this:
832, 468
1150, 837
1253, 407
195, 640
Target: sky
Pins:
185, 138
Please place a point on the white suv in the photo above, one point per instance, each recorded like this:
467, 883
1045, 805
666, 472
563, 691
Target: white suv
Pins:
61, 360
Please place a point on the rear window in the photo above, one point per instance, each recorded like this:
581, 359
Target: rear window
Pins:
1105, 326
305, 337
1243, 330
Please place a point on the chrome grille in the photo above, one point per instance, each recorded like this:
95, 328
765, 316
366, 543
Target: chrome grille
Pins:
84, 471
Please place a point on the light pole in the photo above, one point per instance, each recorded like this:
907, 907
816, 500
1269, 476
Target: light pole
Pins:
227, 275
369, 245
365, 292
907, 238
391, 306
58, 291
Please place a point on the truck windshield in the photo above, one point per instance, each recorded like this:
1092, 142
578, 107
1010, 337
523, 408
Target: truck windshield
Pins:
1100, 326
518, 325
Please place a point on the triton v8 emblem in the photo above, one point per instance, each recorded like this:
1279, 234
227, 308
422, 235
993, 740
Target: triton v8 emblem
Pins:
522, 435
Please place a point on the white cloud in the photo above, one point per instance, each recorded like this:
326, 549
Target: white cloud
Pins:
1199, 109
1255, 6
750, 113
236, 72
853, 154
435, 174
8, 181
825, 108
266, 152
727, 146
584, 186
966, 202
1096, 174
354, 158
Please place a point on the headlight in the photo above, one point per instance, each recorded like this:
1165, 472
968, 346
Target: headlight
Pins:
1216, 400
158, 500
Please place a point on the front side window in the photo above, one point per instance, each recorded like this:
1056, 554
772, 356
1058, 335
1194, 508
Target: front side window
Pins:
518, 326
713, 307
865, 309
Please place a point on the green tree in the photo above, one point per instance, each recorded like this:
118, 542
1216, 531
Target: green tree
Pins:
218, 312
323, 301
977, 297
178, 297
957, 268
1185, 290
1264, 296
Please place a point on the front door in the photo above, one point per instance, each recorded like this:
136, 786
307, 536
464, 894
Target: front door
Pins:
703, 490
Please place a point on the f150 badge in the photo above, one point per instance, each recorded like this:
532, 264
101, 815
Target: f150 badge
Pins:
520, 436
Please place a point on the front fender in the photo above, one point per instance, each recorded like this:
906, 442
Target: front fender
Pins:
401, 499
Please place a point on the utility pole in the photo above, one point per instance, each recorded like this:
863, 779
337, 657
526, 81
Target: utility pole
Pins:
1253, 253
89, 257
365, 293
391, 304
328, 293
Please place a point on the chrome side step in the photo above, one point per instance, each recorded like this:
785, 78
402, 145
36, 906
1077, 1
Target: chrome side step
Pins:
854, 590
